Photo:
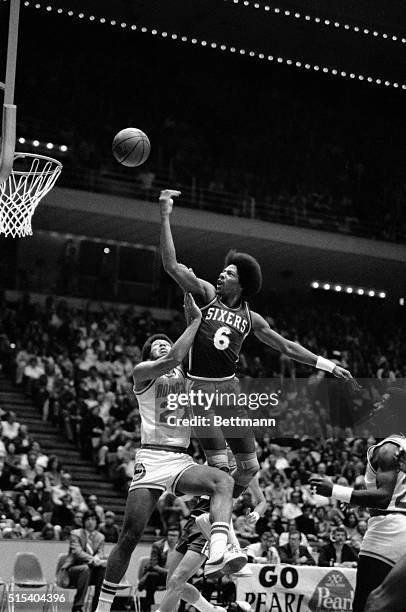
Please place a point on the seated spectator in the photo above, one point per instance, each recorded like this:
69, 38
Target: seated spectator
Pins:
292, 528
39, 497
32, 469
86, 563
358, 536
293, 552
276, 492
10, 427
245, 530
323, 525
172, 511
23, 509
53, 472
63, 515
305, 523
351, 523
66, 487
91, 431
337, 553
23, 441
109, 528
293, 508
48, 533
157, 569
9, 475
32, 373
94, 506
264, 551
22, 528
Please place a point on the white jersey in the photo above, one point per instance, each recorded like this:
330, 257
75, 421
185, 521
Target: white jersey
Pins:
152, 401
385, 538
398, 501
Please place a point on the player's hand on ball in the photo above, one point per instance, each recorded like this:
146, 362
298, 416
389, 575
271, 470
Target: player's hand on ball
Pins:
166, 200
192, 311
340, 372
321, 486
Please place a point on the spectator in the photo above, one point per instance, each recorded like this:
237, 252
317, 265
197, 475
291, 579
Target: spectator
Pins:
32, 469
292, 528
264, 551
293, 552
22, 528
66, 487
337, 553
306, 523
109, 528
86, 563
293, 509
157, 569
53, 472
48, 533
10, 427
94, 506
63, 515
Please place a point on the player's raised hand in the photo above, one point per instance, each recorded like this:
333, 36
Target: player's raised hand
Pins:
192, 311
166, 200
340, 372
321, 486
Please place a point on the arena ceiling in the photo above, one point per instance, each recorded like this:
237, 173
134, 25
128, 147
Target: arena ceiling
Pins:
362, 43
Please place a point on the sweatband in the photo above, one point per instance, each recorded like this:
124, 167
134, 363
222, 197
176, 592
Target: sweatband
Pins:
325, 364
342, 493
255, 515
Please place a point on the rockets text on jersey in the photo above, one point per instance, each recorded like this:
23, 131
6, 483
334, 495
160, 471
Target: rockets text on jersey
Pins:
152, 402
217, 345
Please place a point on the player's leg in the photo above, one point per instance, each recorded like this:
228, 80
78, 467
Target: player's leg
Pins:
139, 507
242, 443
371, 573
204, 480
390, 595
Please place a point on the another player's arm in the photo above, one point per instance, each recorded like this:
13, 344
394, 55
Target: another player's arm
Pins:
386, 465
294, 350
185, 277
259, 500
148, 370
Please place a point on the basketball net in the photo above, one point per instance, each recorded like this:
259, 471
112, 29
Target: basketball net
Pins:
31, 178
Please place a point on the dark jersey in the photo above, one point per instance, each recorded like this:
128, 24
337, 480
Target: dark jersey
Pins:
217, 345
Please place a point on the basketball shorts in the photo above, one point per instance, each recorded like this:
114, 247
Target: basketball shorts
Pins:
385, 538
239, 436
159, 469
191, 538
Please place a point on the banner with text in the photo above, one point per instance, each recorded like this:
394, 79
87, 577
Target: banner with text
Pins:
288, 588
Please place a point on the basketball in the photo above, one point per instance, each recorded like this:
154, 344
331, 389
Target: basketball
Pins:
131, 147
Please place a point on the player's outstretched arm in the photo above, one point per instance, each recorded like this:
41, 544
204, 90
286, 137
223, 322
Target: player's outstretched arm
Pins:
259, 500
295, 351
148, 370
183, 275
386, 465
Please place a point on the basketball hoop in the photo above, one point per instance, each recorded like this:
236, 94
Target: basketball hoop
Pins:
30, 180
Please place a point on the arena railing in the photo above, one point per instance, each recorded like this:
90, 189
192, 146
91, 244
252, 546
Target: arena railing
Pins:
234, 204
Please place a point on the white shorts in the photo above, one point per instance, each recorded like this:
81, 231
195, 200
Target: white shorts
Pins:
385, 538
159, 469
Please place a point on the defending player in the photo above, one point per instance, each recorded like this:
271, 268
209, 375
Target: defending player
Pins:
384, 543
191, 554
226, 322
162, 462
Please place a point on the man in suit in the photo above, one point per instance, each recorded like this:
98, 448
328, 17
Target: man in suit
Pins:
293, 552
86, 563
157, 569
337, 552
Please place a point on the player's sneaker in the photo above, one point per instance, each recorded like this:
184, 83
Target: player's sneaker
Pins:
215, 566
245, 572
235, 560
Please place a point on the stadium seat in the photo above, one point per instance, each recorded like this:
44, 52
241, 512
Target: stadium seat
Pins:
28, 575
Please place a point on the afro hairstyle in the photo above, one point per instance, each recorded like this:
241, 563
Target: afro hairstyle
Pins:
249, 272
146, 349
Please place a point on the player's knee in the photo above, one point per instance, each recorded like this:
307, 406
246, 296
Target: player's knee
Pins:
247, 467
128, 539
222, 484
218, 459
176, 582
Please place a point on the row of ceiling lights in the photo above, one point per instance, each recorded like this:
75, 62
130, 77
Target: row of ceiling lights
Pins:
47, 145
294, 14
222, 47
348, 289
